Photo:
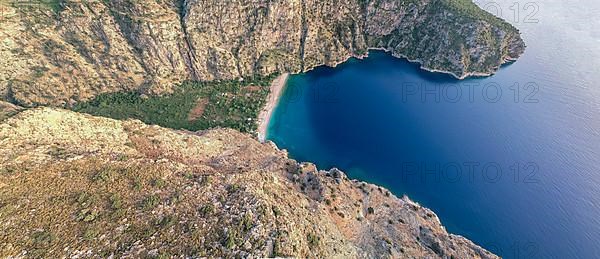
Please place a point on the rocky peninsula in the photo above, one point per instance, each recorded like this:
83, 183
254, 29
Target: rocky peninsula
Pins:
77, 185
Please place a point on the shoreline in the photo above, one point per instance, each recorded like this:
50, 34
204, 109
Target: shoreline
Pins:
272, 100
278, 84
466, 75
276, 91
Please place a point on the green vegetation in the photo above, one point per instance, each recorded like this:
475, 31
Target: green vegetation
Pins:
313, 240
87, 215
247, 223
33, 7
229, 241
206, 210
115, 201
55, 5
167, 221
158, 183
104, 175
90, 233
42, 238
193, 105
150, 202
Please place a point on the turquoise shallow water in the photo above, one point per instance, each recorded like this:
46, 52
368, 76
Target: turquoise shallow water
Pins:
510, 161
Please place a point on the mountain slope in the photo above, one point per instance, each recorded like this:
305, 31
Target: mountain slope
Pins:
77, 185
60, 52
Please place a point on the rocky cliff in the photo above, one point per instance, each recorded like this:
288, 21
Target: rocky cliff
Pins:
59, 52
80, 186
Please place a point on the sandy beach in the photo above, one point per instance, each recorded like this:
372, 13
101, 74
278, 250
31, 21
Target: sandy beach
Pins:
265, 114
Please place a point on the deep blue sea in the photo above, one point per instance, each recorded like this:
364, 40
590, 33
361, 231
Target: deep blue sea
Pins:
510, 161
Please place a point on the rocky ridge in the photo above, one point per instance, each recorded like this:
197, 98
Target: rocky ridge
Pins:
61, 52
81, 186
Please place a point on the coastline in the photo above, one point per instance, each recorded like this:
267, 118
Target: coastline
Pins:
505, 60
276, 88
356, 198
272, 100
278, 84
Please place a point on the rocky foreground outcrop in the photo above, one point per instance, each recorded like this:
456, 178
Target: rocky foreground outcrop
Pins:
76, 185
60, 52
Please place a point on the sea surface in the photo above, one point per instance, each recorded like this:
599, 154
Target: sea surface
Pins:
510, 161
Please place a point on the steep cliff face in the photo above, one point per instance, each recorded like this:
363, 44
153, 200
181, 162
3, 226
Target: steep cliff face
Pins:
76, 185
71, 50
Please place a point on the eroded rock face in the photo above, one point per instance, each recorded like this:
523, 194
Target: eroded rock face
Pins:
77, 49
77, 185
